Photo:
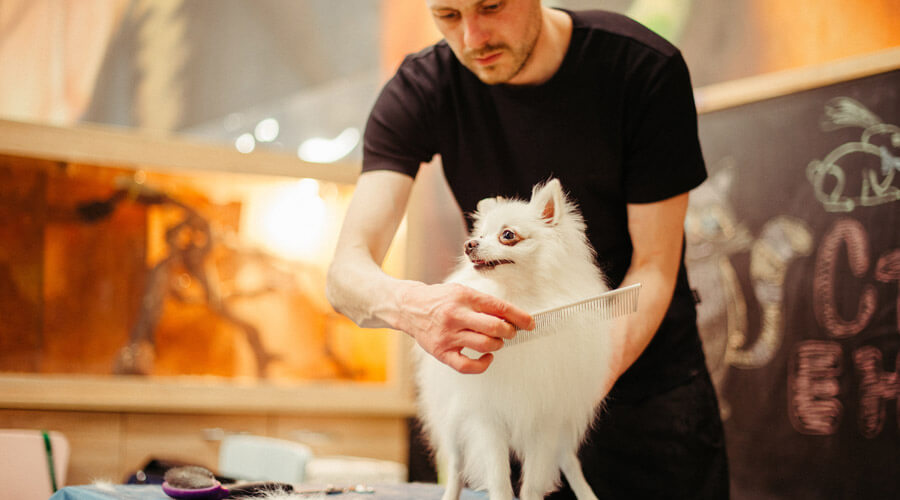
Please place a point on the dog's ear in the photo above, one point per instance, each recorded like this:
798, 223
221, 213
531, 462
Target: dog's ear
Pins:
486, 204
550, 200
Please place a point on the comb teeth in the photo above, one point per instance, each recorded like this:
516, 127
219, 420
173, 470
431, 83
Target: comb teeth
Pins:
603, 307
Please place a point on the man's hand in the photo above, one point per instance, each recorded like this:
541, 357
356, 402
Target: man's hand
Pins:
442, 318
446, 318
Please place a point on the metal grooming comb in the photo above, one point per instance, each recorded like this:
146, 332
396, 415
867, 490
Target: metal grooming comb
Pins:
605, 306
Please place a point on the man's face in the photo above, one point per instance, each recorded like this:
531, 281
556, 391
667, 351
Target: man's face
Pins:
493, 38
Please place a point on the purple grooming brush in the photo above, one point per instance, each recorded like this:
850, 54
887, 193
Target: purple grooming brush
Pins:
193, 483
216, 492
197, 483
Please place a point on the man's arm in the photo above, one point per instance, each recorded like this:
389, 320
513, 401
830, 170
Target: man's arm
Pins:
657, 230
442, 318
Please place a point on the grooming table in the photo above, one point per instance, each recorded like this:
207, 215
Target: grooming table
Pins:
410, 491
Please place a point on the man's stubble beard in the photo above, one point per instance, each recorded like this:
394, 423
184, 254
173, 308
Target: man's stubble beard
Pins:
520, 59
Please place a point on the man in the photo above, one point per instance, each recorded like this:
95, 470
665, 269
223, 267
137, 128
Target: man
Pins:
515, 93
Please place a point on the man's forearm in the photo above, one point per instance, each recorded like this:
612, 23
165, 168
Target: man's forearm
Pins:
356, 286
657, 235
632, 333
360, 290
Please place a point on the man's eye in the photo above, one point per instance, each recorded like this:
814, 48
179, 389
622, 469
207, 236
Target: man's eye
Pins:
491, 7
445, 16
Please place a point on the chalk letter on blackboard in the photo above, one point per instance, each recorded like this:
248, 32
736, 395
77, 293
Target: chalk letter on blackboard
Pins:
887, 270
875, 387
813, 386
852, 233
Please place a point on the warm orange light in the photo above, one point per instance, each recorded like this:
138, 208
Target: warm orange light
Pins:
286, 220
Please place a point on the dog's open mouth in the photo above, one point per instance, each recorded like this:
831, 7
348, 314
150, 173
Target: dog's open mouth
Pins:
490, 264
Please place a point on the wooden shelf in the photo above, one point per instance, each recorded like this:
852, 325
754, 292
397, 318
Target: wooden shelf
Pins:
202, 395
104, 145
746, 90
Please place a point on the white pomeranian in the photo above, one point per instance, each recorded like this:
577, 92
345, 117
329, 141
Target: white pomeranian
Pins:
538, 397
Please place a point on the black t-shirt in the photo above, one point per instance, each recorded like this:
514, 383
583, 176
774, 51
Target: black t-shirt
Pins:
616, 124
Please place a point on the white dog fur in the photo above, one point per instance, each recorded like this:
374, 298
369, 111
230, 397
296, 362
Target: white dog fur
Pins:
537, 398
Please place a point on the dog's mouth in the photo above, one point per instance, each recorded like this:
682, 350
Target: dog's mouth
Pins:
490, 264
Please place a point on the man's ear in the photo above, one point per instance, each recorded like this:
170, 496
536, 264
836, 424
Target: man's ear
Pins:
550, 200
486, 204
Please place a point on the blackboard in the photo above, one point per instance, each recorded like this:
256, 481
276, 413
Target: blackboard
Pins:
794, 248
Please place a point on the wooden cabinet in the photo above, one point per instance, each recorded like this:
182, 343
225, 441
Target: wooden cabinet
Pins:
119, 400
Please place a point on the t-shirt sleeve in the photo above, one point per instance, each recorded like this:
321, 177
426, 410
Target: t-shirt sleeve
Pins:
663, 155
398, 132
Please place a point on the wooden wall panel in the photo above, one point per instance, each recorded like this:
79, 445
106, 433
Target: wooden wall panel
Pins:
95, 440
188, 438
381, 438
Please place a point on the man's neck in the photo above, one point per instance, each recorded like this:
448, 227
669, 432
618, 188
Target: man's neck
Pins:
549, 51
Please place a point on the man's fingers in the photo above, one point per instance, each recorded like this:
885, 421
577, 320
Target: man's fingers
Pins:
480, 342
466, 365
457, 317
490, 325
502, 309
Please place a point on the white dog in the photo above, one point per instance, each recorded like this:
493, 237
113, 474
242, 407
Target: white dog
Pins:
537, 398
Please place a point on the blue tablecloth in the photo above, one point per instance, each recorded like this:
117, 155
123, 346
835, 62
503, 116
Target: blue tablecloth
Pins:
411, 491
105, 492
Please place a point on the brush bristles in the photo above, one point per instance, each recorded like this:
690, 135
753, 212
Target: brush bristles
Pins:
190, 477
601, 308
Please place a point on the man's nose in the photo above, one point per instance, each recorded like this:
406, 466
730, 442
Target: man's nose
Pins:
475, 35
471, 246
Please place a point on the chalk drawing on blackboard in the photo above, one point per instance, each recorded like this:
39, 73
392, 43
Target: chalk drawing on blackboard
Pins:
781, 240
829, 175
714, 234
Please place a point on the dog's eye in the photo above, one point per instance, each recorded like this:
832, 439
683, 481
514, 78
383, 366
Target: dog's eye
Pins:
508, 237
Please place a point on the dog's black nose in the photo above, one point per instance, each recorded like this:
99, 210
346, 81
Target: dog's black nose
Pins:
471, 245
